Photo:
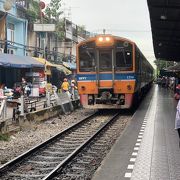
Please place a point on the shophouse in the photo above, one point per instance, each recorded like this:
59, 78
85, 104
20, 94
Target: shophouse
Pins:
13, 31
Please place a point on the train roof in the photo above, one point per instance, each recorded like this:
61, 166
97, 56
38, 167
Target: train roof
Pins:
100, 35
116, 37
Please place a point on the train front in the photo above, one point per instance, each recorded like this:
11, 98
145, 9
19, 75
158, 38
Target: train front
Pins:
105, 72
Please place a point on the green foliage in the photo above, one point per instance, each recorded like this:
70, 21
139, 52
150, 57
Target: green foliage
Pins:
53, 9
81, 30
33, 13
53, 13
161, 64
4, 137
60, 32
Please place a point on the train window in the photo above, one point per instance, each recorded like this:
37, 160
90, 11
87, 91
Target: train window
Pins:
105, 60
86, 60
123, 60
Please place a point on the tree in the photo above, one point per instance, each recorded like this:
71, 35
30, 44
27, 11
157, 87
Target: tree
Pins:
162, 64
81, 30
53, 13
33, 12
53, 9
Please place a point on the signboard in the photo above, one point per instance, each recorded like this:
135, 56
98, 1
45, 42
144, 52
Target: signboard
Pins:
44, 27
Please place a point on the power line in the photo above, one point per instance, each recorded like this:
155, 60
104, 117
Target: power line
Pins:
122, 30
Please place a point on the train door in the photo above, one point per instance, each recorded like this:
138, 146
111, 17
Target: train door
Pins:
105, 69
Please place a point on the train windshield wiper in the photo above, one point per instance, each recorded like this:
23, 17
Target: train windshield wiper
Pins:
124, 56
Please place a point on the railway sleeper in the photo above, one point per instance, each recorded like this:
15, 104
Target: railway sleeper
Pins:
49, 158
43, 162
27, 176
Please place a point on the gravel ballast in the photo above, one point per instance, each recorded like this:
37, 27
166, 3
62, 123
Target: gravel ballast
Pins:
35, 133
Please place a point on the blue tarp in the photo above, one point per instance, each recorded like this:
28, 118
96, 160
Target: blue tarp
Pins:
9, 60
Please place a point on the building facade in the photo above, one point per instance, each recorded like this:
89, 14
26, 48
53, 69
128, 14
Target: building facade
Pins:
14, 29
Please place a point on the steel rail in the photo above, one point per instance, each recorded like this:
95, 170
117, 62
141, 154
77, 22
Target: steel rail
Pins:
59, 167
18, 159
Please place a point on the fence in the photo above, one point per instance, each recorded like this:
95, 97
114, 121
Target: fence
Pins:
3, 108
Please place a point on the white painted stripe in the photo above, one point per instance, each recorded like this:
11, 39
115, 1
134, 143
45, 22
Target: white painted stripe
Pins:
132, 159
138, 140
126, 80
130, 166
138, 144
108, 80
134, 154
127, 175
142, 127
142, 130
141, 133
140, 136
136, 148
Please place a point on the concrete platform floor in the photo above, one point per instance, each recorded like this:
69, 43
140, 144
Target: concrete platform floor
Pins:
149, 147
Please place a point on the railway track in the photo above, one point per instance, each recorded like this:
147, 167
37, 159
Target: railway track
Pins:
50, 157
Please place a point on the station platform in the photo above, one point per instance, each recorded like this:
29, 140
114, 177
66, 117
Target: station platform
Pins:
149, 147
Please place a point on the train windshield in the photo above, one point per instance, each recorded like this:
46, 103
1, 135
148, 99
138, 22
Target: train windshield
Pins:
86, 59
123, 55
105, 60
123, 60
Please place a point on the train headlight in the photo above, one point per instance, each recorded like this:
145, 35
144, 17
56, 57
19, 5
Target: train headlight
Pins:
104, 41
129, 87
108, 39
100, 39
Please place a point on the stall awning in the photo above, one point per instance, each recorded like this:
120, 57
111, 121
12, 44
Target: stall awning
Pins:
63, 69
9, 60
70, 65
44, 62
57, 66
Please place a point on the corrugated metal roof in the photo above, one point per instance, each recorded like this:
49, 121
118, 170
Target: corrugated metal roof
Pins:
165, 25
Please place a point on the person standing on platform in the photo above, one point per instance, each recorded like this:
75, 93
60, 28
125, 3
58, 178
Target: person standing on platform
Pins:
23, 84
177, 120
73, 89
65, 85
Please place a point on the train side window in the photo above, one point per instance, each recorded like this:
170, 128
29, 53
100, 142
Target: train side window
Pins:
87, 61
124, 60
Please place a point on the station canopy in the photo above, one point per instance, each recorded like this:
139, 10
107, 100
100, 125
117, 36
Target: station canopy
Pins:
14, 61
165, 25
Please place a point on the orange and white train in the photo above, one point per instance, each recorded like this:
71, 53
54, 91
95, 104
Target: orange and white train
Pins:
112, 72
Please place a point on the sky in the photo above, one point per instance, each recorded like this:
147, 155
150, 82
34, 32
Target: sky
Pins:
124, 18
